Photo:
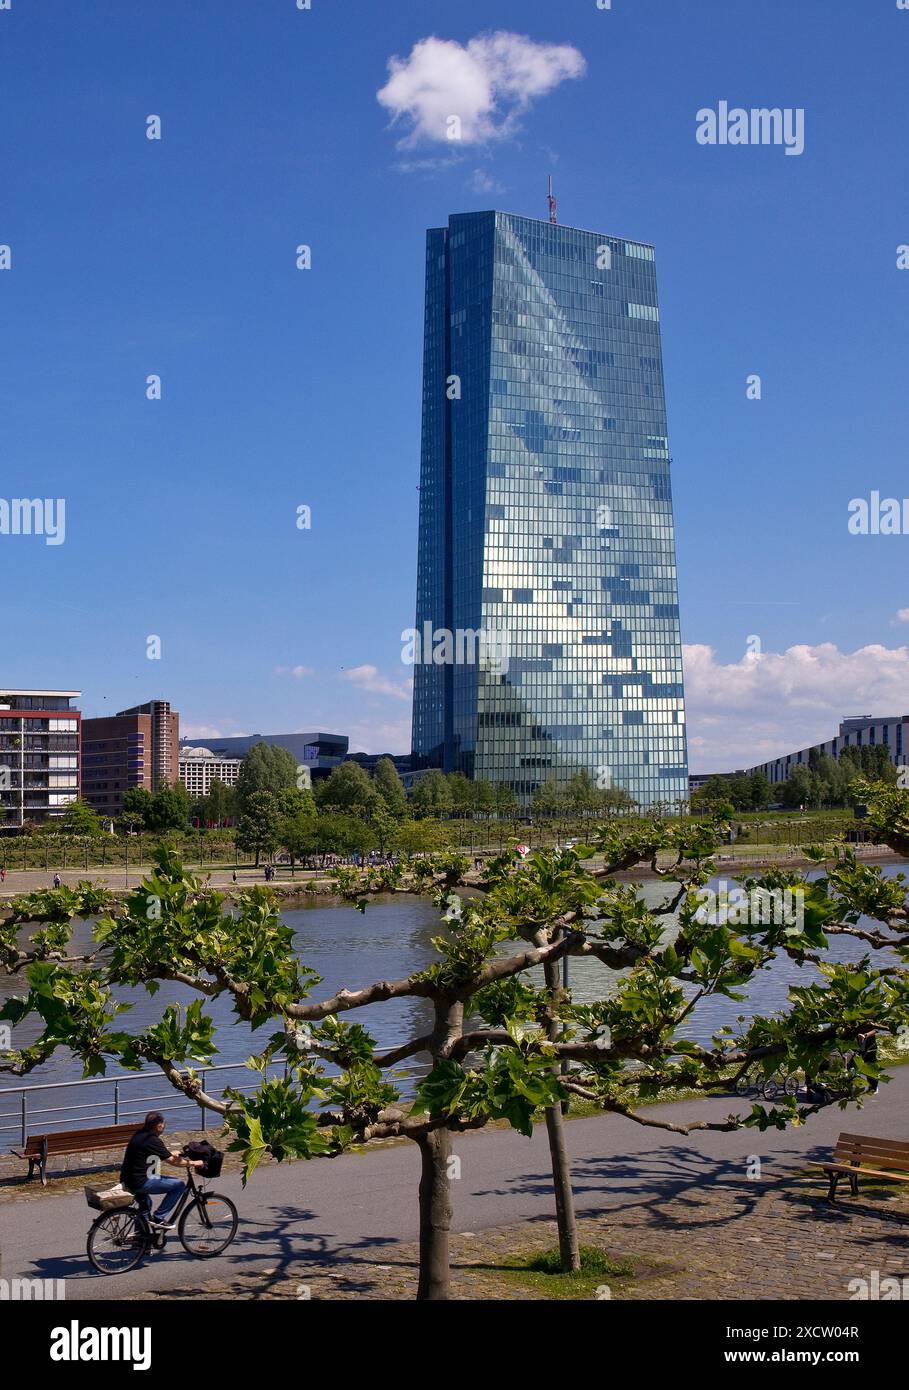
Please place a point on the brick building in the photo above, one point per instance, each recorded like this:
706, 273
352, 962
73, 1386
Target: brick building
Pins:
138, 747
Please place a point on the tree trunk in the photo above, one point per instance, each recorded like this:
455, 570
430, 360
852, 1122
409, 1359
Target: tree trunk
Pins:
569, 1249
435, 1214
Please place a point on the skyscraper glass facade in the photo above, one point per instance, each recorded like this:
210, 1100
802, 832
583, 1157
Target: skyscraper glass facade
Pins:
546, 513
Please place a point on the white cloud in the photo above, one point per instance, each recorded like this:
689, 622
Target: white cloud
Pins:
432, 165
201, 732
392, 736
759, 707
298, 672
481, 181
486, 83
902, 616
369, 678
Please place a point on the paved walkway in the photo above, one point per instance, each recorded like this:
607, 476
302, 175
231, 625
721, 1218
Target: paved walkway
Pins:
685, 1211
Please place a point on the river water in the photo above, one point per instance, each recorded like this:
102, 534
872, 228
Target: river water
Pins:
351, 949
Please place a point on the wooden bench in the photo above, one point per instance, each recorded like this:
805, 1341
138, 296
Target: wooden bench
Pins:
861, 1155
40, 1147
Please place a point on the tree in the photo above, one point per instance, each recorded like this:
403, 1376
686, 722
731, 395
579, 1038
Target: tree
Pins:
484, 796
431, 794
258, 829
296, 811
616, 799
266, 768
218, 807
137, 803
349, 790
384, 826
496, 1041
79, 819
506, 801
872, 761
419, 836
799, 789
298, 835
168, 809
761, 791
463, 796
294, 801
580, 794
390, 787
548, 799
337, 833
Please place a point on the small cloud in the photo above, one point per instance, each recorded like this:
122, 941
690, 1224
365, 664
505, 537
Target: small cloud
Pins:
369, 678
373, 737
298, 672
428, 166
200, 732
902, 616
481, 181
486, 84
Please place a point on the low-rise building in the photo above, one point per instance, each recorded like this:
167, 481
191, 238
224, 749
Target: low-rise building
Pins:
199, 767
320, 752
857, 731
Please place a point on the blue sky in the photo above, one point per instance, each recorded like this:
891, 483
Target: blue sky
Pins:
283, 387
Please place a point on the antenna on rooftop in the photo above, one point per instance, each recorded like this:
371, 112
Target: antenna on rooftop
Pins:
552, 202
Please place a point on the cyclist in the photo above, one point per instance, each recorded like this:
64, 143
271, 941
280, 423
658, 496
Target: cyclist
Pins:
140, 1172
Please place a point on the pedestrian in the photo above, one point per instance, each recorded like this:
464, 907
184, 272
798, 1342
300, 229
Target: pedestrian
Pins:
234, 875
2, 875
57, 880
868, 1052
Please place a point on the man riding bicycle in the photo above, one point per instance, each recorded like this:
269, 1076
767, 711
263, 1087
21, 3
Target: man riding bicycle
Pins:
140, 1172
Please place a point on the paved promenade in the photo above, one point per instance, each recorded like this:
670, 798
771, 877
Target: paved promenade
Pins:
683, 1210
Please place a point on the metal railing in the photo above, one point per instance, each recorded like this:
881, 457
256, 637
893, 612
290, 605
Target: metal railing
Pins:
115, 1105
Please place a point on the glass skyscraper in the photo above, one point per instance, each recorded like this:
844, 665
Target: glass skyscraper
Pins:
546, 514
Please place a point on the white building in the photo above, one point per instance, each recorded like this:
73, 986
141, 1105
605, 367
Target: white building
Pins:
199, 767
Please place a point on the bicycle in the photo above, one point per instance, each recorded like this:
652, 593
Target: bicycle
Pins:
752, 1082
120, 1239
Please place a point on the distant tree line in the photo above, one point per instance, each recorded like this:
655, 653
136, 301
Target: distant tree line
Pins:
348, 813
822, 783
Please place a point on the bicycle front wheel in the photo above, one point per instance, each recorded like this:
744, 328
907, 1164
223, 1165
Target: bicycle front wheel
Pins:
208, 1225
117, 1241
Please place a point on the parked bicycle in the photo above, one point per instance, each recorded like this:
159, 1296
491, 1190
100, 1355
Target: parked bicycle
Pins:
753, 1083
206, 1223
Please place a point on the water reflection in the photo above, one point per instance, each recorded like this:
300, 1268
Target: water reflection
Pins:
394, 939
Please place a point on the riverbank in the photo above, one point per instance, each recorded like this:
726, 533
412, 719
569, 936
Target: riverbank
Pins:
307, 884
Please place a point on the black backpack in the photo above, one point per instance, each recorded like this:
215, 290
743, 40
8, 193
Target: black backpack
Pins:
211, 1157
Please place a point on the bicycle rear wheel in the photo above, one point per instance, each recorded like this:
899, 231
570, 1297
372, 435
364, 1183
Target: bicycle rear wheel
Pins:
117, 1241
208, 1225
